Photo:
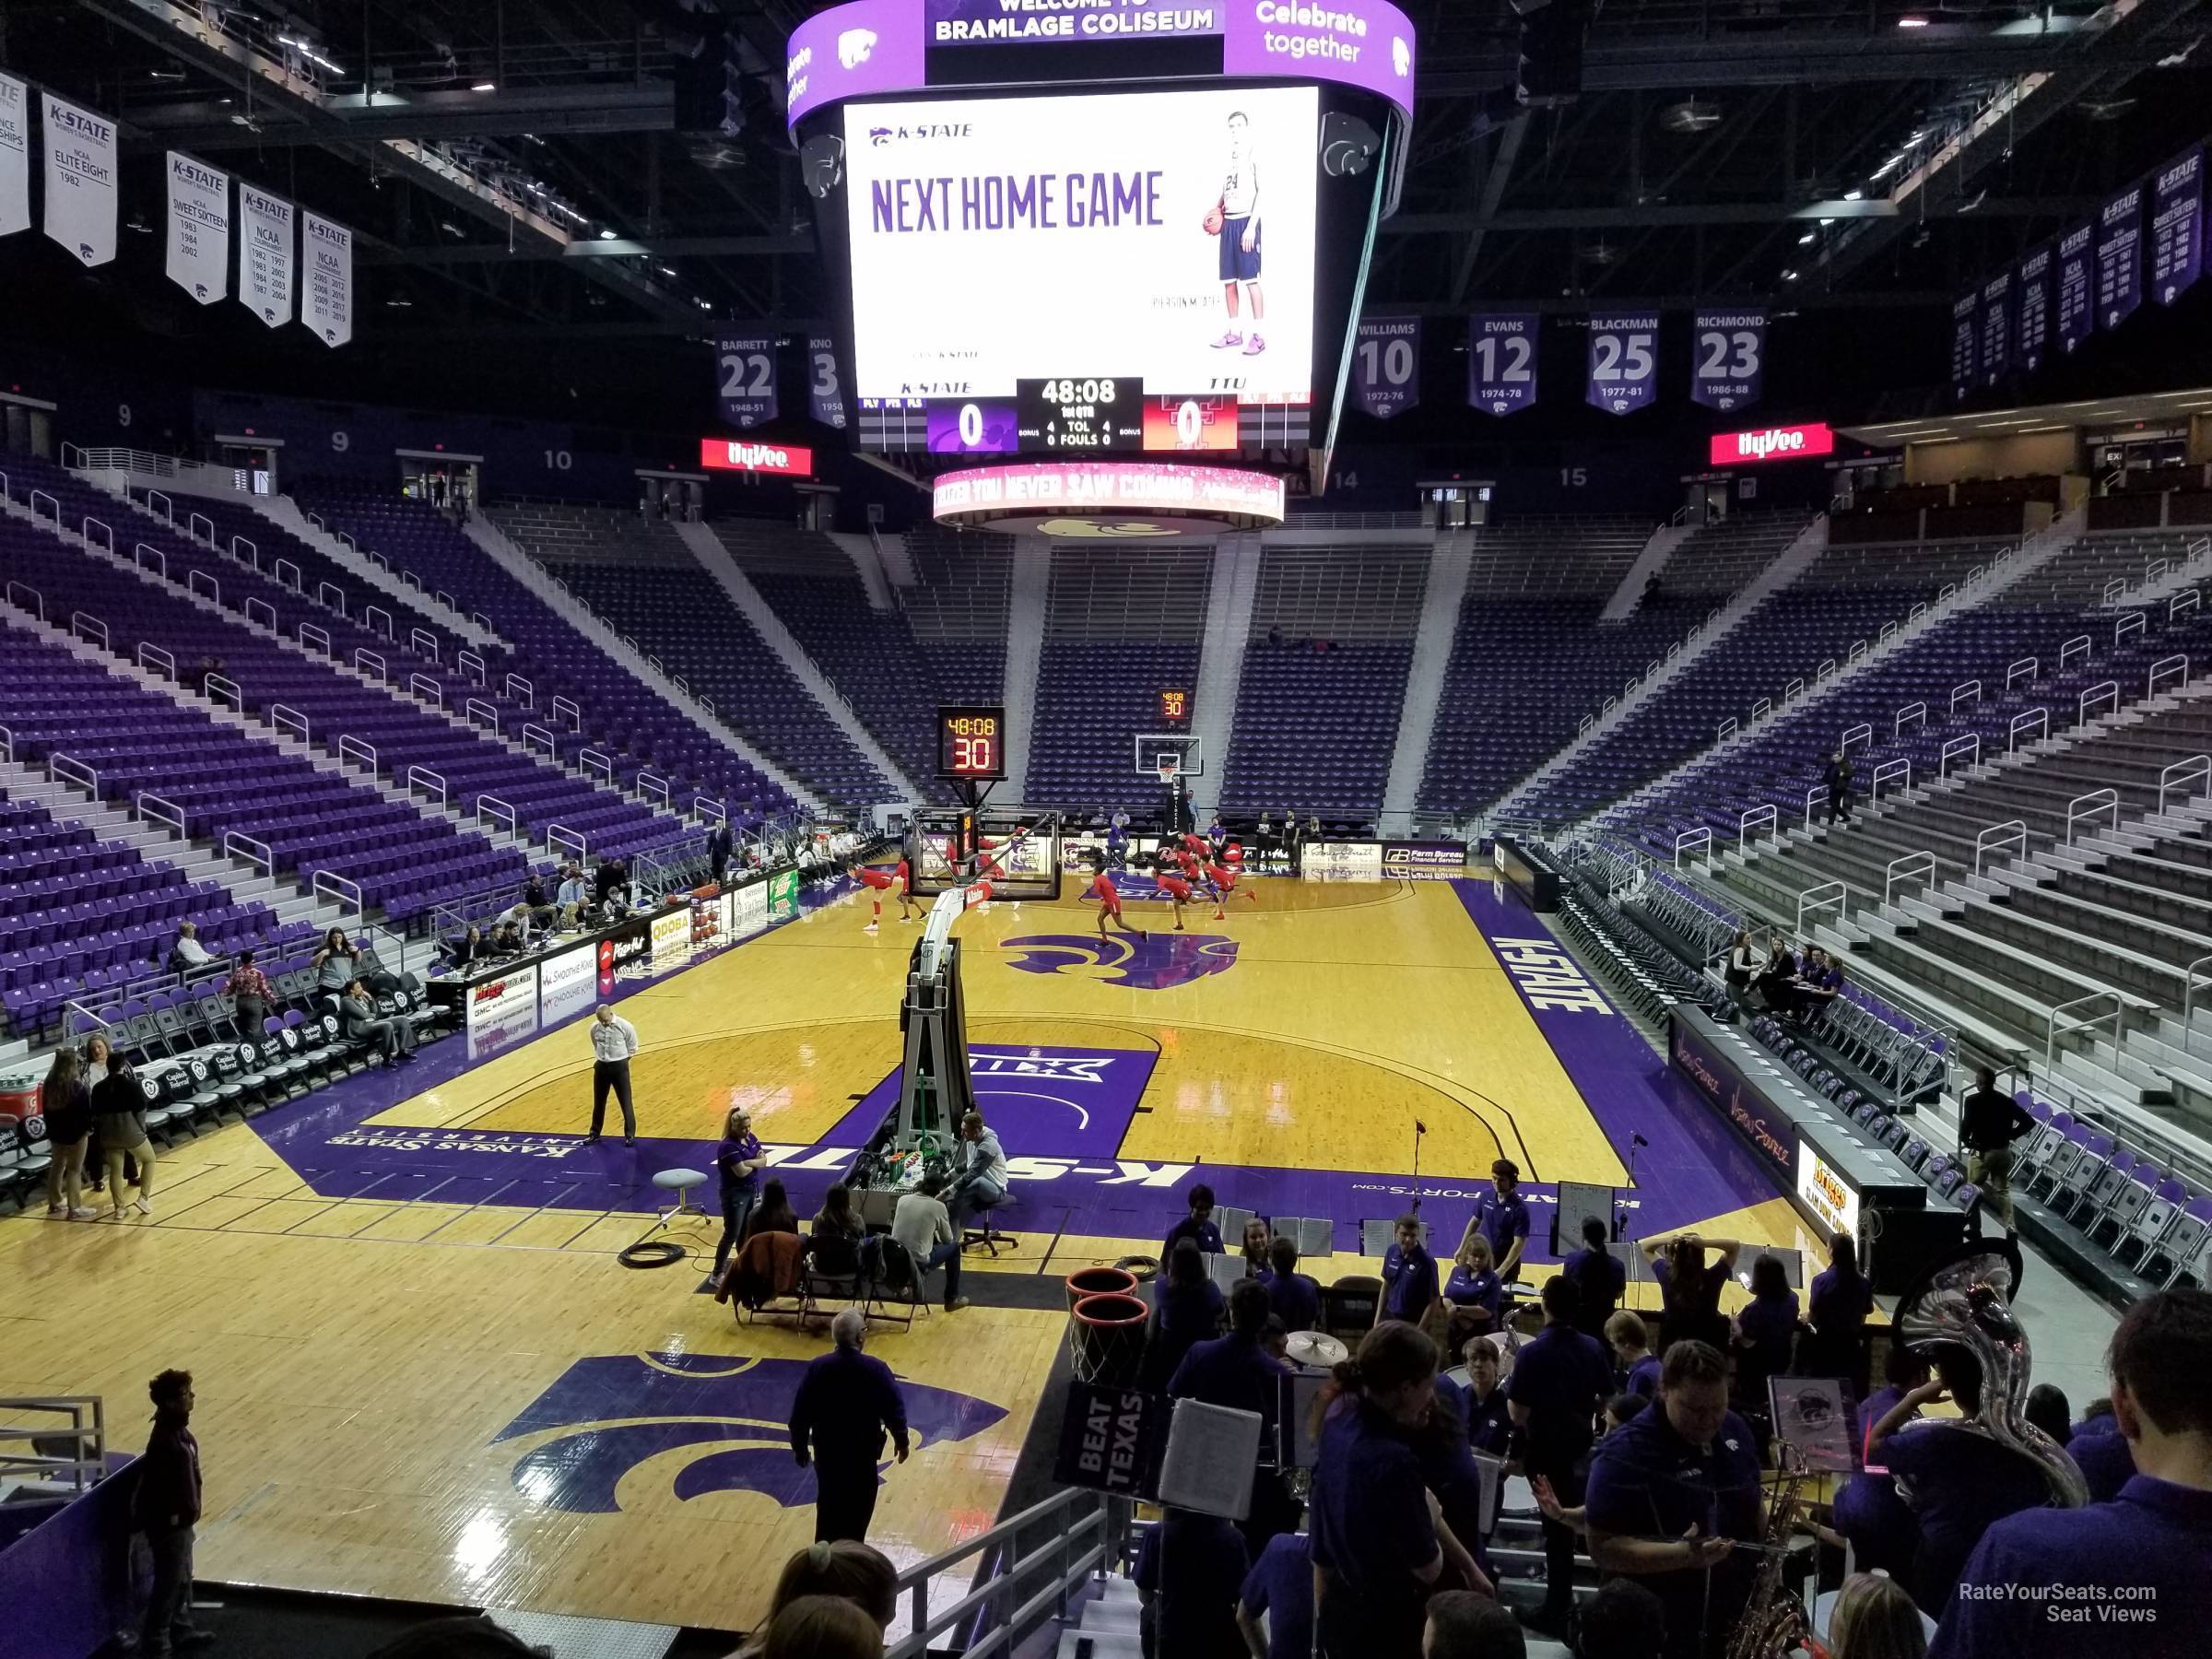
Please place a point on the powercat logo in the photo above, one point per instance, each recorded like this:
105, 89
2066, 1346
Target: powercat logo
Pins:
783, 460
1772, 444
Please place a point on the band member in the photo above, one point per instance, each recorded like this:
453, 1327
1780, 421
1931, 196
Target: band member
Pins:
882, 881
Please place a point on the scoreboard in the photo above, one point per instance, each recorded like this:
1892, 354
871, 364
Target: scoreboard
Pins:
971, 744
1043, 418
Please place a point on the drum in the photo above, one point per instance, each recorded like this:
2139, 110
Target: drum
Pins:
1099, 1281
1315, 1350
1106, 1339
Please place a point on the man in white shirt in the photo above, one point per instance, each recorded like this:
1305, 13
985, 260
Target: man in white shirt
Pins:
573, 895
978, 1171
920, 1224
1235, 219
613, 1040
188, 953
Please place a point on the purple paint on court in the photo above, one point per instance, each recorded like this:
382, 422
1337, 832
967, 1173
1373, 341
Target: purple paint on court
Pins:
1042, 1101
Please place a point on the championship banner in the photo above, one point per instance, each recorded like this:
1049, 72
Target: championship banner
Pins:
199, 229
2177, 225
1386, 365
745, 376
2076, 298
825, 392
327, 305
1997, 326
2120, 257
15, 157
1965, 337
1728, 359
265, 254
81, 181
1501, 361
2033, 309
1624, 360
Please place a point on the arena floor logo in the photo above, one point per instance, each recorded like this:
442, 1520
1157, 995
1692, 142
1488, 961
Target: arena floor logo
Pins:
1154, 962
607, 1414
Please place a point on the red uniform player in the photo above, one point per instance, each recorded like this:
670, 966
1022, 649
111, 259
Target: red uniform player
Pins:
1178, 891
1224, 878
881, 881
1110, 904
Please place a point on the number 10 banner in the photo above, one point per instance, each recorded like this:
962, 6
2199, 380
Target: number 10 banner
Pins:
744, 374
1386, 365
1728, 360
1501, 361
1624, 360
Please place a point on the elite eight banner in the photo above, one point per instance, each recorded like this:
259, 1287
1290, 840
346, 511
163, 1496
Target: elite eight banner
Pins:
1728, 359
2177, 225
265, 254
1501, 361
744, 378
327, 305
1624, 360
199, 229
81, 181
15, 157
1386, 365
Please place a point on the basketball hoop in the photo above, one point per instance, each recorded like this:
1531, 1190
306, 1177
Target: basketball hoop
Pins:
1170, 768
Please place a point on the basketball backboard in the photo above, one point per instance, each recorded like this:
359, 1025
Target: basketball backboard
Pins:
1179, 751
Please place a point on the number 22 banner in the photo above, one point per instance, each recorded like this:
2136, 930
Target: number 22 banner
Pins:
1728, 359
1386, 365
1501, 361
745, 376
1624, 360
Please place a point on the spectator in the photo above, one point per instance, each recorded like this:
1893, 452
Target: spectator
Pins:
1475, 1292
1989, 1122
1558, 1380
1256, 1242
364, 1022
119, 1110
1837, 777
846, 1406
1408, 1275
165, 1506
1743, 964
66, 1105
1280, 1588
1690, 1287
251, 997
614, 1046
610, 875
823, 1627
511, 932
1379, 1540
465, 950
772, 1214
1463, 1625
738, 1163
1623, 1620
1449, 1471
1766, 1333
837, 1219
1776, 978
1294, 1296
538, 908
1189, 1571
1198, 1226
1869, 1511
1600, 1279
979, 1171
1186, 1310
187, 953
1819, 984
98, 1054
2152, 1542
571, 896
921, 1224
2048, 1410
336, 965
1502, 1217
719, 844
1873, 1619
1672, 1491
1631, 1339
1842, 1296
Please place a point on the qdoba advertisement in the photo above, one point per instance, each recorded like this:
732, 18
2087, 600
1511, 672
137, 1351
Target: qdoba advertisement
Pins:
1162, 235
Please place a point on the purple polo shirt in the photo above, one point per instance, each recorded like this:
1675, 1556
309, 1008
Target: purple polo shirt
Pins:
1960, 1484
2101, 1452
1562, 1376
1369, 1508
1408, 1283
1501, 1220
1643, 1377
1280, 1584
1484, 1290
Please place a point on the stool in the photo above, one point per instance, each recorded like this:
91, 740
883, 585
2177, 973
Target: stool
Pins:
680, 1182
987, 1236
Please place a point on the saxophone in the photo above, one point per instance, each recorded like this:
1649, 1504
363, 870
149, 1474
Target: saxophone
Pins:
1773, 1623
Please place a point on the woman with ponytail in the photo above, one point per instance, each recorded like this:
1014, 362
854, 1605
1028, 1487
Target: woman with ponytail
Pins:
1380, 1542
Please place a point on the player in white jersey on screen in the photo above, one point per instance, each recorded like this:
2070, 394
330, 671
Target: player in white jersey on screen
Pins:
1235, 218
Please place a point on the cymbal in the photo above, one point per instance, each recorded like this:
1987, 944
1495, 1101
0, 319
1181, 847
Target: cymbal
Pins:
1316, 1348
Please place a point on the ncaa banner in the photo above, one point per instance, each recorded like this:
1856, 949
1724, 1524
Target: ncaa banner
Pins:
2177, 225
326, 303
1624, 360
1997, 326
1386, 365
15, 157
1728, 359
1501, 361
199, 229
2120, 257
825, 392
1965, 311
2032, 309
265, 254
744, 374
2076, 291
81, 181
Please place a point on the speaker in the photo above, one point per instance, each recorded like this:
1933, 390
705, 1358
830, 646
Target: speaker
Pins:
823, 164
1550, 70
1347, 144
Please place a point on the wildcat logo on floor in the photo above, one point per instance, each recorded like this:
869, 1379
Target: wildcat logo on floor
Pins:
1154, 962
607, 1414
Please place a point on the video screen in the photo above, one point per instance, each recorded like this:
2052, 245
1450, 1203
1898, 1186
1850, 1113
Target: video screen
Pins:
1166, 237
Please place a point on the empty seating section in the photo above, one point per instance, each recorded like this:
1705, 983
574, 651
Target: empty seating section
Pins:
956, 609
1552, 557
1715, 561
2116, 561
1315, 727
1118, 632
573, 534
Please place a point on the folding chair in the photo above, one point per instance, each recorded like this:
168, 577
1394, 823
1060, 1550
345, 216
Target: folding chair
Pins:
830, 1267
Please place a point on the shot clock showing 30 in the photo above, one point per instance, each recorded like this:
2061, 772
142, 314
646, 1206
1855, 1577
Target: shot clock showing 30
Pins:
972, 742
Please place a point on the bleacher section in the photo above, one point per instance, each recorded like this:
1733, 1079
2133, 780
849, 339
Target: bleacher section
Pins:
1552, 557
956, 609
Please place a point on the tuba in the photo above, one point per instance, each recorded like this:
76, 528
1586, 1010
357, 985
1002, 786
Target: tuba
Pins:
1962, 1299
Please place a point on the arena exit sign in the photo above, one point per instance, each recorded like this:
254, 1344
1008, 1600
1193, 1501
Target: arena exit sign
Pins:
748, 455
1772, 444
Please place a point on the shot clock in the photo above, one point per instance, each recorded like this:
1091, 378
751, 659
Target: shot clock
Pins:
971, 744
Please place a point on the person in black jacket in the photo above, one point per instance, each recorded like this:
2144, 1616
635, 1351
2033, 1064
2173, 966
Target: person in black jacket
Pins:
165, 1506
358, 1012
1837, 777
719, 846
65, 1103
1989, 1122
846, 1405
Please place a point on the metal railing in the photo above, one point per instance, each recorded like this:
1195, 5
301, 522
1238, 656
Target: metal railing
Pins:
139, 556
2174, 667
1854, 735
563, 708
153, 656
421, 778
19, 591
368, 662
535, 737
88, 627
2104, 695
2027, 668
2133, 622
1814, 901
1969, 745
1917, 712
561, 838
1764, 818
1813, 797
2062, 1021
290, 575
354, 750
2079, 646
261, 611
2011, 837
427, 688
341, 892
377, 620
2088, 808
240, 845
1913, 866
69, 1457
1966, 691
424, 643
214, 590
286, 719
2038, 718
146, 806
1087, 1531
496, 811
2193, 979
1699, 838
1886, 773
2180, 775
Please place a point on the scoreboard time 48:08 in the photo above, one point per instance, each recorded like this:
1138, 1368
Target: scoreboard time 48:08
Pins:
1098, 413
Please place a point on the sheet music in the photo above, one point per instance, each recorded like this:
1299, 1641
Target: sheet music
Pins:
1212, 1451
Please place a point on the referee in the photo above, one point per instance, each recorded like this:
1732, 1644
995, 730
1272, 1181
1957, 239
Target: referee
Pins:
613, 1040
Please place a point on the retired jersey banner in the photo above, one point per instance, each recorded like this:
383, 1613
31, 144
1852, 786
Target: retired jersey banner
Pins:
1727, 359
1501, 361
264, 256
2177, 225
81, 181
825, 391
327, 302
745, 376
1996, 327
1966, 312
1624, 360
2120, 257
2031, 309
15, 157
1386, 365
199, 229
2075, 291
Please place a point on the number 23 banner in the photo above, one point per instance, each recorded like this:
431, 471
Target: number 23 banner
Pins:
744, 378
1386, 365
1728, 359
1624, 360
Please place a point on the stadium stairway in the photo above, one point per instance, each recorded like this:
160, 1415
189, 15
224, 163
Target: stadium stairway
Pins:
1228, 602
1658, 552
376, 570
1027, 603
1432, 645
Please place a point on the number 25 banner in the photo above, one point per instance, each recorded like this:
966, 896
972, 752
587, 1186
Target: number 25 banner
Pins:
1728, 359
1386, 365
744, 378
1624, 360
1501, 361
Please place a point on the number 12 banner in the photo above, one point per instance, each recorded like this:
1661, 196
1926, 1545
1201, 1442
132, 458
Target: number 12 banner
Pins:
1386, 365
1624, 360
1728, 360
745, 376
1501, 361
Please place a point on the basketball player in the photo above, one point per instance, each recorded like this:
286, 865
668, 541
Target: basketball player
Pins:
1110, 903
1224, 880
879, 882
1235, 218
1177, 890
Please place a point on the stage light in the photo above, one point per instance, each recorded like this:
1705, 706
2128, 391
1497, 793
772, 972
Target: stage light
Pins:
1913, 22
485, 85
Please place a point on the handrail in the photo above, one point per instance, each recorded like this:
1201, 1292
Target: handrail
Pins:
331, 596
538, 734
591, 759
652, 786
238, 844
527, 696
363, 659
2107, 693
1813, 797
477, 711
70, 769
1915, 712
497, 811
193, 578
50, 501
1970, 744
1767, 818
153, 656
446, 599
2012, 833
423, 642
336, 887
2056, 1025
2133, 622
2187, 600
1725, 730
1900, 768
1912, 867
575, 714
2192, 978
252, 556
163, 810
38, 600
2079, 646
84, 530
2181, 773
1699, 837
1862, 733
272, 622
353, 748
286, 719
482, 621
318, 636
1828, 895
170, 507
370, 614
214, 686
2038, 718
985, 1589
429, 689
470, 664
429, 782
84, 627
2086, 809
560, 836
1960, 693
1762, 708
192, 521
2023, 668
2169, 667
139, 555
316, 519
2114, 588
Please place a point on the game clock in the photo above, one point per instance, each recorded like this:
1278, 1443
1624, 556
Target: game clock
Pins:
1069, 412
971, 744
